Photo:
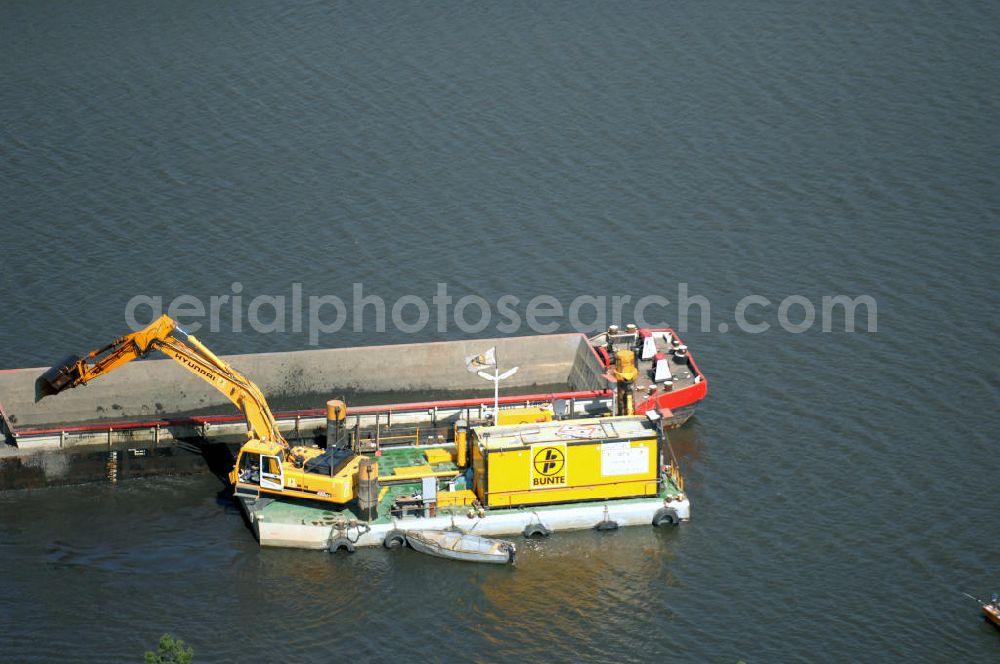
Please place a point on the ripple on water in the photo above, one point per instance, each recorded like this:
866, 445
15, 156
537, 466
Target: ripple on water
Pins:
608, 150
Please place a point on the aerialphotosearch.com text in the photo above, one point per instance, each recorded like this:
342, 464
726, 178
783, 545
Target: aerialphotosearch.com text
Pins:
317, 316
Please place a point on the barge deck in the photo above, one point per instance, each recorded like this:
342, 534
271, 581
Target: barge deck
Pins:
409, 499
152, 416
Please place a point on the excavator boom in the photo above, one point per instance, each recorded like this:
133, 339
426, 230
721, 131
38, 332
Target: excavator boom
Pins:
167, 337
265, 463
75, 370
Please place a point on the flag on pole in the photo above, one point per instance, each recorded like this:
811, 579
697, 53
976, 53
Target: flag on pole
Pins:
476, 362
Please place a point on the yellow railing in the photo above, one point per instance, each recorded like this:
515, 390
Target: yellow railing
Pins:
675, 475
674, 467
404, 438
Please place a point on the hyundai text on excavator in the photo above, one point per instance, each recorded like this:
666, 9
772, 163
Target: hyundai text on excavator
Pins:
266, 464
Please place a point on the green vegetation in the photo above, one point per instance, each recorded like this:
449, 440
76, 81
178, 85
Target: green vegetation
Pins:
170, 651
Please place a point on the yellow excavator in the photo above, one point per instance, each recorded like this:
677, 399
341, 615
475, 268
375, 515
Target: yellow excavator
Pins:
266, 464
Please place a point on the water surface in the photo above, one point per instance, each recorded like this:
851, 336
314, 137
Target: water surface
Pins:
844, 485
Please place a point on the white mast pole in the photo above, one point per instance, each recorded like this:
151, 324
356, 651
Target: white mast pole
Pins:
496, 377
496, 388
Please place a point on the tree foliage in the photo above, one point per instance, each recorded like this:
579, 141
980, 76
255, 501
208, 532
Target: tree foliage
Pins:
170, 651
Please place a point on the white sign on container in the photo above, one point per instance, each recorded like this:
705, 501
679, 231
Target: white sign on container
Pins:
623, 459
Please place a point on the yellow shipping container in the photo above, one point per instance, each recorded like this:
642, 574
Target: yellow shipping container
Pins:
565, 461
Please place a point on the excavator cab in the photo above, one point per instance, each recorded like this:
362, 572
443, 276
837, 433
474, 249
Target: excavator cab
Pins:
259, 464
262, 470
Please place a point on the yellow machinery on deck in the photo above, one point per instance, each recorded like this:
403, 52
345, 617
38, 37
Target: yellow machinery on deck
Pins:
625, 373
566, 461
527, 459
266, 463
524, 415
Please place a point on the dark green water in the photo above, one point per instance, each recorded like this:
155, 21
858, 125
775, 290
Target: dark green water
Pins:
844, 484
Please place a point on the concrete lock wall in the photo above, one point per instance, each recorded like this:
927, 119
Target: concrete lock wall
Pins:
163, 390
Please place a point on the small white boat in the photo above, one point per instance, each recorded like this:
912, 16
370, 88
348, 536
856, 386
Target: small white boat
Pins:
460, 546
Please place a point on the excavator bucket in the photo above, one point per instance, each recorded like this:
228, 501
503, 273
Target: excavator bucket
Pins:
61, 376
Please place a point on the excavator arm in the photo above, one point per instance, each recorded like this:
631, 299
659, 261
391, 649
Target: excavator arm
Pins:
167, 337
265, 463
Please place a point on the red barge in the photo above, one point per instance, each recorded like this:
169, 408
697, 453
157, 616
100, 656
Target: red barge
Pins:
410, 393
